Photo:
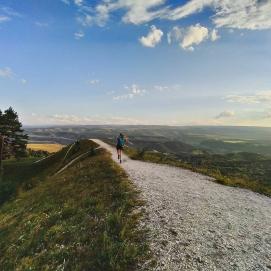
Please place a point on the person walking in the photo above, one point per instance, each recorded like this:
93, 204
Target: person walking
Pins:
120, 145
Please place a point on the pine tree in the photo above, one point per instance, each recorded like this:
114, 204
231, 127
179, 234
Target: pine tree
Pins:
1, 145
15, 140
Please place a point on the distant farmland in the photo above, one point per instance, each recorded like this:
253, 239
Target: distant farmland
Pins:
45, 147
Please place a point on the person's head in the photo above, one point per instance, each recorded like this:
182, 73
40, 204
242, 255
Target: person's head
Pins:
121, 135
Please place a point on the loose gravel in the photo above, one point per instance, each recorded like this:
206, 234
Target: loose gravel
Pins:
197, 224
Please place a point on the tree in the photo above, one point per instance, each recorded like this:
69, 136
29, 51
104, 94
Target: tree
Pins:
12, 134
1, 146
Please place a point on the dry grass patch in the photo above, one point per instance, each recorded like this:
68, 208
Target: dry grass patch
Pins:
51, 148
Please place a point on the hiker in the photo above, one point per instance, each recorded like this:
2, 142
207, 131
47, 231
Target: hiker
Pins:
120, 145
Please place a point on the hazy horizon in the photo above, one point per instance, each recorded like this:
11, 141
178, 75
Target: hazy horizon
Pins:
141, 125
136, 62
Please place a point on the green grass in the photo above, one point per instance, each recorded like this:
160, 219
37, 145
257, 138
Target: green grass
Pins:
81, 219
210, 168
26, 174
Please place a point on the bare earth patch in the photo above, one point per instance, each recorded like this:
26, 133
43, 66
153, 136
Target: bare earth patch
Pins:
197, 224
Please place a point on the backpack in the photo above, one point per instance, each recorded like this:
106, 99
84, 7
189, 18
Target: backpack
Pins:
121, 141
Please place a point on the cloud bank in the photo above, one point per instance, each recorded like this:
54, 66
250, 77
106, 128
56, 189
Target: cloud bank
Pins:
257, 98
241, 14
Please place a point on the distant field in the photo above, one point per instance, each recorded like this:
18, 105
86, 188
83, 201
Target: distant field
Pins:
45, 147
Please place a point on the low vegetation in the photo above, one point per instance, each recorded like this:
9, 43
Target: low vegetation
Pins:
246, 170
50, 148
85, 218
235, 146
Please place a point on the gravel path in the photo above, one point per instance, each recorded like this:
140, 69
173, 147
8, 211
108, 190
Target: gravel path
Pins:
197, 224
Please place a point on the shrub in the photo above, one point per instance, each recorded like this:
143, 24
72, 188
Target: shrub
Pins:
7, 190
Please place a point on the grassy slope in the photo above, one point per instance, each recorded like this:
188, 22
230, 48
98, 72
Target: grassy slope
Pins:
25, 174
238, 181
82, 219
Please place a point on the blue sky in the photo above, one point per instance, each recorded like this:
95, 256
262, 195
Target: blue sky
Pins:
203, 62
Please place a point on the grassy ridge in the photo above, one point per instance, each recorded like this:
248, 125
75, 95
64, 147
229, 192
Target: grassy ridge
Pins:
26, 174
82, 219
228, 176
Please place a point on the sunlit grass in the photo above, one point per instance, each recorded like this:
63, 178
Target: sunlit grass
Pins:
51, 148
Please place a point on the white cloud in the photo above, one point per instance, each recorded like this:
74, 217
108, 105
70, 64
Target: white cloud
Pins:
7, 14
214, 35
242, 14
225, 114
23, 81
188, 37
6, 72
260, 97
194, 35
161, 88
175, 35
103, 15
94, 81
86, 20
10, 12
131, 92
89, 16
78, 2
4, 18
137, 12
153, 38
135, 91
41, 24
79, 35
9, 74
167, 88
191, 7
141, 11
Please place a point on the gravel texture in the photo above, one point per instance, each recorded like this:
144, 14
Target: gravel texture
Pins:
197, 224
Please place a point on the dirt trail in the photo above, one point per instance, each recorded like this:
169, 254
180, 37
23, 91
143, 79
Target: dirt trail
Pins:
197, 224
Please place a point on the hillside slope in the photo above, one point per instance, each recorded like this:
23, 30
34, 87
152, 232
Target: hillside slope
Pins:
197, 224
81, 219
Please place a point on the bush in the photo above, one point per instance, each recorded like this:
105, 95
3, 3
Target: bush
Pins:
39, 153
7, 190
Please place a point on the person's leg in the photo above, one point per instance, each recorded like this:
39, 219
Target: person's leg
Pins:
120, 156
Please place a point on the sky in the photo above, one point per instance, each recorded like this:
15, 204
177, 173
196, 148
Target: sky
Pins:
164, 62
